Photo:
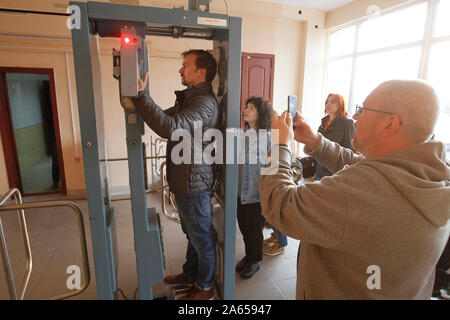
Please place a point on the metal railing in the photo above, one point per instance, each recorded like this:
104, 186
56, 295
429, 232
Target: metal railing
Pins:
19, 206
26, 239
163, 188
126, 159
163, 198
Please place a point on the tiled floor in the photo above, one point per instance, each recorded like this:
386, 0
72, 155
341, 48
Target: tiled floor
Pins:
55, 245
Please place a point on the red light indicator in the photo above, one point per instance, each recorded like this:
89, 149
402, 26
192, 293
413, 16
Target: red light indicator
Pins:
126, 40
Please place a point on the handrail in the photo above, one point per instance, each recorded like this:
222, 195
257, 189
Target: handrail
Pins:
126, 159
26, 239
163, 197
82, 233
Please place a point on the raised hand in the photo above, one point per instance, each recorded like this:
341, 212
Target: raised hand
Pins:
304, 134
142, 83
282, 129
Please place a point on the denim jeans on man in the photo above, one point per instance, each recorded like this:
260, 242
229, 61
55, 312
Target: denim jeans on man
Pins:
195, 216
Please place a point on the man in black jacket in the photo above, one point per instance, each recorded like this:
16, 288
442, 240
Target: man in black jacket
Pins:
195, 108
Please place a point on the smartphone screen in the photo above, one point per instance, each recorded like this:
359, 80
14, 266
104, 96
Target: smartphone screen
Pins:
292, 107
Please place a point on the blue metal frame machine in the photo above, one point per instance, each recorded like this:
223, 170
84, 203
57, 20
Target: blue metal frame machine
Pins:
136, 22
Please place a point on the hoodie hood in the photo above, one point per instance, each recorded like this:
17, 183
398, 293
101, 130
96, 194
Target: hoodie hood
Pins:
421, 173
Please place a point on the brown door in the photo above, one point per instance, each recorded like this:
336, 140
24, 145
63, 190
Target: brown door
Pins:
30, 130
8, 139
257, 77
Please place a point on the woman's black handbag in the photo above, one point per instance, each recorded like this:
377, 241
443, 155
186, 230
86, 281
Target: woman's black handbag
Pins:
309, 166
297, 169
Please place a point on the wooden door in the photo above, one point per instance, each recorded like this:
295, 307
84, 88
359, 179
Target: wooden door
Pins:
257, 77
8, 139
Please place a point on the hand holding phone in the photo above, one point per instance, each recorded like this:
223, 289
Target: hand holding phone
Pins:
292, 107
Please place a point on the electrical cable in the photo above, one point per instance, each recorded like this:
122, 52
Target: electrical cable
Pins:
34, 12
123, 294
226, 5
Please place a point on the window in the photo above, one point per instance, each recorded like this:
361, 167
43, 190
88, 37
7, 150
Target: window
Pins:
439, 77
342, 42
372, 69
443, 19
338, 76
399, 27
412, 42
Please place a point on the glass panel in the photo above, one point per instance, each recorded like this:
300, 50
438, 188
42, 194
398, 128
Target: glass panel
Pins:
402, 26
341, 42
338, 77
442, 27
371, 70
439, 77
34, 132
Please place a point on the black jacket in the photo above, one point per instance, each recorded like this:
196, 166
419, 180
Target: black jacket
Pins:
340, 131
194, 104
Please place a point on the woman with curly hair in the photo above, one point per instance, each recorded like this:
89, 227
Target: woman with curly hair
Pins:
257, 116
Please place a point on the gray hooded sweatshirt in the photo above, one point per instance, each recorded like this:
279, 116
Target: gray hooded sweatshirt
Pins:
373, 230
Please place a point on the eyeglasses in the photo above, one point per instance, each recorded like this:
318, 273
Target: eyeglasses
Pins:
359, 110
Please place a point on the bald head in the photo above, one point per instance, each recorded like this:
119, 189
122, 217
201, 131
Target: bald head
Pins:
416, 104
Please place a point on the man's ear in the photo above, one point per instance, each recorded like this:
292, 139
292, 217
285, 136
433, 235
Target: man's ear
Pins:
202, 72
392, 125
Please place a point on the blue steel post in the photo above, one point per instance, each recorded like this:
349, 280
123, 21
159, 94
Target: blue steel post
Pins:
146, 232
231, 176
86, 108
138, 202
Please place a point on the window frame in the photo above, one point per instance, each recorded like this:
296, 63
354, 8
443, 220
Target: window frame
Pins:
425, 44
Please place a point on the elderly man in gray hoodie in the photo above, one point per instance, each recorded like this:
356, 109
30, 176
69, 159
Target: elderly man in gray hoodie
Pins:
377, 227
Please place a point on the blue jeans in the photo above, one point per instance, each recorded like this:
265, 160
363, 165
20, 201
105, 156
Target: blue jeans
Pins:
281, 237
195, 217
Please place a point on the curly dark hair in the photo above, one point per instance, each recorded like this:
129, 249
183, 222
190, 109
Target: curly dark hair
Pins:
265, 112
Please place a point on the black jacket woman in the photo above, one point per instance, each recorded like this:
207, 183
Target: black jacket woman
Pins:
336, 126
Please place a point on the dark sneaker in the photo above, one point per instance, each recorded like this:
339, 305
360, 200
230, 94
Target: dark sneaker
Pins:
195, 293
242, 264
250, 270
179, 279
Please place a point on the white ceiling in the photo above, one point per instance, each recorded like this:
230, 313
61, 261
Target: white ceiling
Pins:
325, 5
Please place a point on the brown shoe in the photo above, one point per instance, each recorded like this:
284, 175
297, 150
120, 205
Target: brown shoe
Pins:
195, 293
179, 279
272, 238
274, 250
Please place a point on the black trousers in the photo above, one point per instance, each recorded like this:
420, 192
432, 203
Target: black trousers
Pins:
251, 224
55, 165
